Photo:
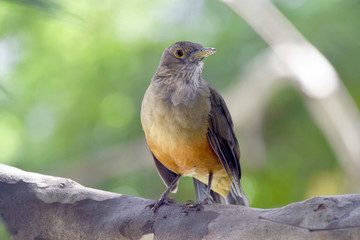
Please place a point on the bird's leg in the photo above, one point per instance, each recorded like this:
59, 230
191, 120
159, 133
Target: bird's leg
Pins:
164, 197
208, 190
191, 203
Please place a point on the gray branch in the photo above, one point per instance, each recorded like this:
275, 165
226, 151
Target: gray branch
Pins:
35, 206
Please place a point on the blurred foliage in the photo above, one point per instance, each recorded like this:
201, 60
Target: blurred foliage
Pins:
72, 78
3, 232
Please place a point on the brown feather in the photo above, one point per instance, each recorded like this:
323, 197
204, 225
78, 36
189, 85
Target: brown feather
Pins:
223, 140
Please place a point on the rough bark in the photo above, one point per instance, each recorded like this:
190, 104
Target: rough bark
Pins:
35, 206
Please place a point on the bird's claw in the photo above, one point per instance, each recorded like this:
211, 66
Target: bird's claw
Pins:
191, 203
154, 206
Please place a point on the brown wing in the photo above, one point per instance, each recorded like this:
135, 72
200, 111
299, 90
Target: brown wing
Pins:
223, 140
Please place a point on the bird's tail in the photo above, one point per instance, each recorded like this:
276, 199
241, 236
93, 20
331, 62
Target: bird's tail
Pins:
232, 198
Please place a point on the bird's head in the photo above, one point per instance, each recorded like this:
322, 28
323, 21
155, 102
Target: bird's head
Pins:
184, 56
178, 76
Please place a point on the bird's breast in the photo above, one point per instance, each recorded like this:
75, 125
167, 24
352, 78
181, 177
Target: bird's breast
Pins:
163, 114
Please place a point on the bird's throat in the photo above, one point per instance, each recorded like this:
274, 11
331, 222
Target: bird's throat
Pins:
185, 94
180, 87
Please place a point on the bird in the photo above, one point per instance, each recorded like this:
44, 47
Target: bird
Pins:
189, 130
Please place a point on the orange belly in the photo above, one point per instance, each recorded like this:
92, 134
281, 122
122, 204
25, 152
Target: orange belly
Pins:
186, 157
189, 153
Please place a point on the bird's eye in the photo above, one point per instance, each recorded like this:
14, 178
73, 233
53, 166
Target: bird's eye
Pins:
179, 53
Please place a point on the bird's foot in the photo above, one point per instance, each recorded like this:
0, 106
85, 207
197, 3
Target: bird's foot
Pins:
154, 206
192, 204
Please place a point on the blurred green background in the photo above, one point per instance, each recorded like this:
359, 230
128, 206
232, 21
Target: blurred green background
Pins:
73, 74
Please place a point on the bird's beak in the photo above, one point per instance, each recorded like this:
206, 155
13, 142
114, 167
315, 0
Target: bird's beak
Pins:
203, 53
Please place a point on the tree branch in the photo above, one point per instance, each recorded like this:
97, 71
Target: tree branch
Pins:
35, 206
